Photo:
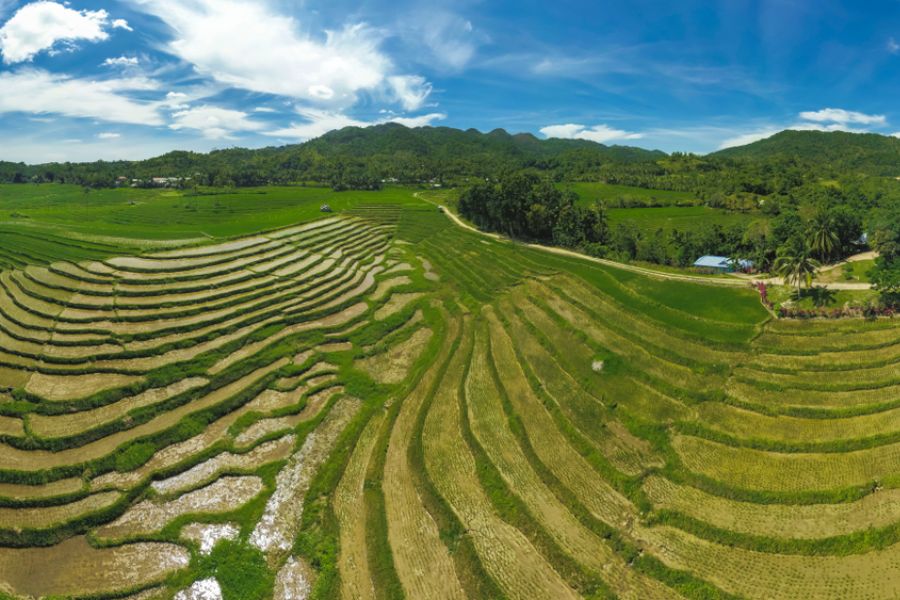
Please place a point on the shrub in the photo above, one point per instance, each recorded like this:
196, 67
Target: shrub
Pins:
134, 456
241, 571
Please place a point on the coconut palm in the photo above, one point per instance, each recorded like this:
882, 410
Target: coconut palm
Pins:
796, 265
822, 237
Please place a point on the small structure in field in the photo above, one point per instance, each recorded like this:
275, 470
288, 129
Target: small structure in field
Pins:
325, 208
597, 366
722, 264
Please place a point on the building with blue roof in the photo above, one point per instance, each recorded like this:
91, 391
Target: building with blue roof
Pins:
722, 264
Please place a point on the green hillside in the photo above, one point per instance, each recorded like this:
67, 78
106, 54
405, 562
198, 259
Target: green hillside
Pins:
839, 150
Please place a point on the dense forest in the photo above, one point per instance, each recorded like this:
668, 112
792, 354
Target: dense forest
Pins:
810, 193
352, 158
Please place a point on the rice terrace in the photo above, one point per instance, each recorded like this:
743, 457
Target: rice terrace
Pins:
376, 402
421, 300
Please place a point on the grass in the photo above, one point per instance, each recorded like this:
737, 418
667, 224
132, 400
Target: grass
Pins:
818, 297
851, 272
610, 193
714, 453
683, 218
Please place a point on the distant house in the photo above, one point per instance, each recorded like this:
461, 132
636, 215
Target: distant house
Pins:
166, 181
722, 264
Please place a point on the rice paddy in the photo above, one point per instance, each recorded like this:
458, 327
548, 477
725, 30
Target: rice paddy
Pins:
377, 404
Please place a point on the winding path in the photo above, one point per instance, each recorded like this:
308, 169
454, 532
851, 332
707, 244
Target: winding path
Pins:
736, 281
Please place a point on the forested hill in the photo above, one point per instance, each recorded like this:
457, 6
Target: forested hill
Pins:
840, 151
355, 157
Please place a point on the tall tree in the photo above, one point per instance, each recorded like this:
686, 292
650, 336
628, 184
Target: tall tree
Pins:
823, 239
795, 263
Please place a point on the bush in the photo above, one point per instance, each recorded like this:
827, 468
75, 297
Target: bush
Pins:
241, 571
134, 456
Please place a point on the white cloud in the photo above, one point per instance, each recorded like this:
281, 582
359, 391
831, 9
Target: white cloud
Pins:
829, 127
841, 116
599, 133
410, 90
121, 24
247, 44
121, 61
40, 92
748, 138
320, 122
450, 40
109, 135
264, 109
761, 134
176, 101
214, 122
892, 46
420, 121
41, 25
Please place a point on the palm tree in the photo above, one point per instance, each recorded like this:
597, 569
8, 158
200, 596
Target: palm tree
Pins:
796, 265
822, 237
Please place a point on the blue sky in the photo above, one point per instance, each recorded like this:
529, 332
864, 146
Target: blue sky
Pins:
87, 80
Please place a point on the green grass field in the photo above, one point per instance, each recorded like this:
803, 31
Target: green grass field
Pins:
377, 403
687, 218
858, 273
589, 192
163, 214
40, 223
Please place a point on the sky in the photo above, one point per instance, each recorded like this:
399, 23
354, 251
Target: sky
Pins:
85, 80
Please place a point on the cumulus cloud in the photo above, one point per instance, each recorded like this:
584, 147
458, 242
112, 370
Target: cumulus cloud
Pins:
213, 122
121, 24
40, 92
43, 25
842, 117
320, 122
109, 135
121, 61
598, 133
249, 45
176, 101
410, 90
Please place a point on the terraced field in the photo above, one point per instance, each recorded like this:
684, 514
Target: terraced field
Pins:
377, 404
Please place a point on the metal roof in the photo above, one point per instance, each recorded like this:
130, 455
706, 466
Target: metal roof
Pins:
713, 262
721, 262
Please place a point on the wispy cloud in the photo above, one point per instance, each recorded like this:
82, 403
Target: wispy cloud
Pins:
319, 122
39, 92
121, 61
892, 46
598, 133
410, 90
843, 117
214, 122
826, 119
748, 138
